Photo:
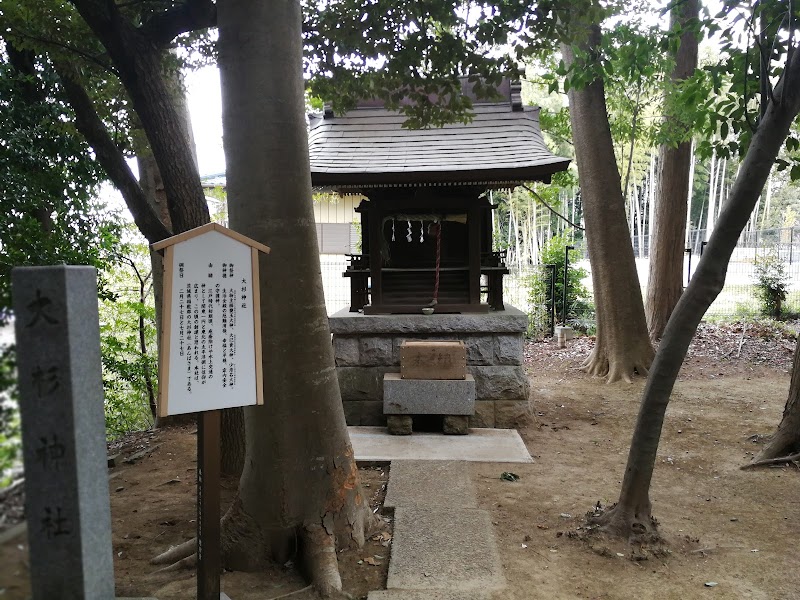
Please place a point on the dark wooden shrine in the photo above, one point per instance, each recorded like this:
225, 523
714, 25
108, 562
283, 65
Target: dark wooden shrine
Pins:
426, 226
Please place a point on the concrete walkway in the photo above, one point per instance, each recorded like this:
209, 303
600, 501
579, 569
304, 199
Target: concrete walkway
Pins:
443, 546
481, 445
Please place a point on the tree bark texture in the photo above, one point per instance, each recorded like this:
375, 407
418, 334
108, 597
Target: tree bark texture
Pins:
665, 282
139, 63
622, 345
632, 512
786, 439
232, 441
111, 158
300, 485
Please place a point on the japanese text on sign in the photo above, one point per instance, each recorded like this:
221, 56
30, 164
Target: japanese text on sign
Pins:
212, 356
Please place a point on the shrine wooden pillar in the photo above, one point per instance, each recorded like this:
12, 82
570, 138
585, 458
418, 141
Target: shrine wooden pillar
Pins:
474, 237
375, 220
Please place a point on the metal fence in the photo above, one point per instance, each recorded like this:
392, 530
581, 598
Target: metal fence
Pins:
737, 299
337, 287
517, 290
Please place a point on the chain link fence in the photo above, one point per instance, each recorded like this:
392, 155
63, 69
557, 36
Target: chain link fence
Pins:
738, 298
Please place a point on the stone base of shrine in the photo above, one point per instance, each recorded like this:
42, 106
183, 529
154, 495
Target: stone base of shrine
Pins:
366, 347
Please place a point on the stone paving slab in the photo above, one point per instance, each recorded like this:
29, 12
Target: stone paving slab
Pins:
480, 445
444, 548
430, 482
426, 595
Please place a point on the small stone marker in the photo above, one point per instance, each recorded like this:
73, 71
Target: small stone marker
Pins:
63, 432
433, 359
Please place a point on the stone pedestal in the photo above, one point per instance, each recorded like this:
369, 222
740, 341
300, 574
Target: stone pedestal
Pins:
399, 424
428, 396
367, 347
456, 425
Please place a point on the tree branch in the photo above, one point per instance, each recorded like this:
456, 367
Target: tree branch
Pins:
109, 156
55, 43
551, 209
164, 27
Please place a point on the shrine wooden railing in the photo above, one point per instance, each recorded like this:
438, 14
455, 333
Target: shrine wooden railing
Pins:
358, 272
493, 265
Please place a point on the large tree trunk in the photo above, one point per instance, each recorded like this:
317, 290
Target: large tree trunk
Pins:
300, 479
632, 514
785, 442
622, 346
666, 252
232, 441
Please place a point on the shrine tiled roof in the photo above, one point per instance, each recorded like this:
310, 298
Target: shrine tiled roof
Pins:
368, 147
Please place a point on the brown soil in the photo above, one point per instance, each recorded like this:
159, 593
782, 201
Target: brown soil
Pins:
153, 508
735, 528
721, 524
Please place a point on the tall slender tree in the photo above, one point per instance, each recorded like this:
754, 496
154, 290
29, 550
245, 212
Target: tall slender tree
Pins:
665, 282
778, 109
622, 346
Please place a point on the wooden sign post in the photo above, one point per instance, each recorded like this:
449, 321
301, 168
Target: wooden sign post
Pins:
211, 358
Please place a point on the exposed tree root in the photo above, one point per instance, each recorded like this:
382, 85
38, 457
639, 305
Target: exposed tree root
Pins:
178, 556
319, 559
245, 547
784, 446
636, 525
778, 460
615, 532
622, 368
185, 563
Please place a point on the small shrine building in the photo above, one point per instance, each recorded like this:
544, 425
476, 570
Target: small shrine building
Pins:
427, 269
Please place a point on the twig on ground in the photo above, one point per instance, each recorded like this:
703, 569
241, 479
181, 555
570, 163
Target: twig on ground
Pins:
780, 460
741, 341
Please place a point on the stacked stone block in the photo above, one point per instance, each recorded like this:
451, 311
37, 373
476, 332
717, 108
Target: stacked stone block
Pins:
366, 347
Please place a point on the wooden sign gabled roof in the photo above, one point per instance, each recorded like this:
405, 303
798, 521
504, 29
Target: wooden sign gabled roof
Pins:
368, 147
187, 235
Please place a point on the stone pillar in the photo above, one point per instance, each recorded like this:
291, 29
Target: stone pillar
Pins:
63, 432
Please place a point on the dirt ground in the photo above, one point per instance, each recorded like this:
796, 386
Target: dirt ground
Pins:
723, 525
153, 508
736, 528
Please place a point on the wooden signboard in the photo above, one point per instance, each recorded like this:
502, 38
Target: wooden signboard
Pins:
433, 359
211, 332
211, 358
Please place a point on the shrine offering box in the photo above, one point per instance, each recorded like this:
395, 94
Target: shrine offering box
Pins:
433, 360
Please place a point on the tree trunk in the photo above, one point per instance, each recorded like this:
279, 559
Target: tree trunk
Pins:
665, 283
138, 60
622, 346
232, 441
651, 204
785, 442
712, 187
300, 479
631, 515
689, 195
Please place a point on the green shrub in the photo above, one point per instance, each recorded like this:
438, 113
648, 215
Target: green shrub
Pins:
126, 371
10, 431
772, 283
578, 305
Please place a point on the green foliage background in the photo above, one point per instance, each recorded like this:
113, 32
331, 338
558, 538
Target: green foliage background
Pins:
127, 371
553, 253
